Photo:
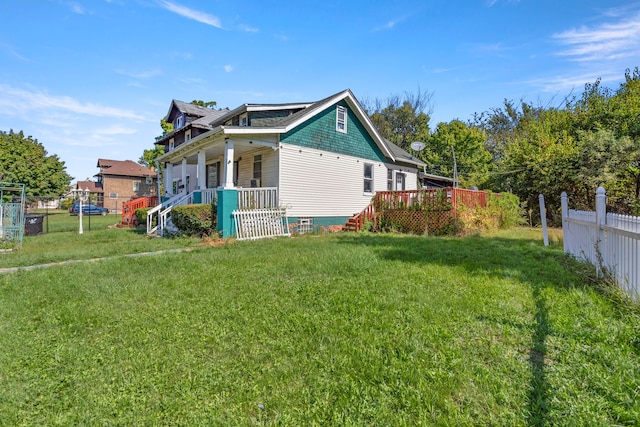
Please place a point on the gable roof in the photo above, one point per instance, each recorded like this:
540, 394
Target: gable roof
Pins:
123, 168
308, 111
192, 109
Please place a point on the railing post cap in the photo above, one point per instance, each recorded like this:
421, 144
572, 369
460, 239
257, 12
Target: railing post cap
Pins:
600, 191
564, 194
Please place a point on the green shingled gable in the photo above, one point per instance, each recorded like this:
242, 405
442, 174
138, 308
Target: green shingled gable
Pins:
320, 133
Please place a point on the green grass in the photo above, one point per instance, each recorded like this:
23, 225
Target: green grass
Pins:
342, 329
100, 239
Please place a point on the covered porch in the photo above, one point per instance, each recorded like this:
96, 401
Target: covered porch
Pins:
236, 172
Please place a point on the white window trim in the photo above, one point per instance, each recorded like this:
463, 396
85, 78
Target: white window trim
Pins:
244, 119
341, 111
136, 184
172, 144
367, 179
187, 135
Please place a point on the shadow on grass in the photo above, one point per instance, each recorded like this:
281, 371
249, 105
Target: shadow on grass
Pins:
498, 257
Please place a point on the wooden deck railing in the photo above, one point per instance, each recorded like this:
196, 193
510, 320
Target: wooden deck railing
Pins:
129, 208
448, 198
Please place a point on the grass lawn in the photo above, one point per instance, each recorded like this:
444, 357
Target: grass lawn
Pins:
340, 329
100, 239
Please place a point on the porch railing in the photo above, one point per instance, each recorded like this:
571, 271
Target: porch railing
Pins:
258, 198
161, 212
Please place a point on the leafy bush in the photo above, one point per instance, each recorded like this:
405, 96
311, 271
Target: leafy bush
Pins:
195, 220
141, 216
66, 204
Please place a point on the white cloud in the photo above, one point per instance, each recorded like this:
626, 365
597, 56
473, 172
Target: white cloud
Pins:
572, 82
606, 41
248, 29
228, 68
143, 75
19, 100
388, 26
196, 15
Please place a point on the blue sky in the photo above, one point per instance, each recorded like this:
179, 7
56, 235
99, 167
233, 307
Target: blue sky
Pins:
92, 78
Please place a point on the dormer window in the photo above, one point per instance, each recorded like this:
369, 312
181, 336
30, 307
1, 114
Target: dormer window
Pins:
341, 119
178, 122
244, 120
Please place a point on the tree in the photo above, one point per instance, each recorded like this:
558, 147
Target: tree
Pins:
472, 158
402, 119
209, 104
24, 160
148, 158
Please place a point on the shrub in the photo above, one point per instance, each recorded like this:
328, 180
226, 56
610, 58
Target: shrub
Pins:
195, 220
141, 216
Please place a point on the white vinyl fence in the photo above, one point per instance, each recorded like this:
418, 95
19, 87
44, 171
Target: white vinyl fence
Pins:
260, 223
606, 240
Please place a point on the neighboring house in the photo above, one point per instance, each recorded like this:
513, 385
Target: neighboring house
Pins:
121, 180
189, 121
325, 159
95, 191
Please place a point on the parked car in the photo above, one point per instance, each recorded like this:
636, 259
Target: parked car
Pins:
88, 210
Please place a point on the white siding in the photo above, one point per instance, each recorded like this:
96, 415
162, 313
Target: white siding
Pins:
269, 168
318, 183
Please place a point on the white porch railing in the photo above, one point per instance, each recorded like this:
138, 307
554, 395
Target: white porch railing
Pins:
605, 240
161, 212
249, 199
258, 198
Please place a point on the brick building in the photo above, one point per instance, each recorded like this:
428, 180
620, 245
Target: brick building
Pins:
122, 180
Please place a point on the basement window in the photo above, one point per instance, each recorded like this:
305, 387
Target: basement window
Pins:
305, 225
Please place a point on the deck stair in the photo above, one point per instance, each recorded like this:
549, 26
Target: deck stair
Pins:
357, 222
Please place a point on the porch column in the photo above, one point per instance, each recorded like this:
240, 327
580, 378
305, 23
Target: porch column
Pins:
227, 203
184, 174
202, 169
228, 164
168, 178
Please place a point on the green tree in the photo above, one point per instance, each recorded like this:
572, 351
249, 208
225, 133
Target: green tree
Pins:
402, 119
24, 160
148, 158
208, 104
471, 157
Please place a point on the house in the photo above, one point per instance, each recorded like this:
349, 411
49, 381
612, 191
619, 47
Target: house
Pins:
121, 180
94, 190
189, 121
323, 160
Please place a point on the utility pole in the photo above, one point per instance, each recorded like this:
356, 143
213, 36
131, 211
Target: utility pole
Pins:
455, 169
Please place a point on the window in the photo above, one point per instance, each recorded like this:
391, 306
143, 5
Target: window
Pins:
368, 178
178, 122
305, 225
341, 119
389, 179
113, 195
187, 135
257, 166
244, 120
136, 186
172, 144
213, 175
